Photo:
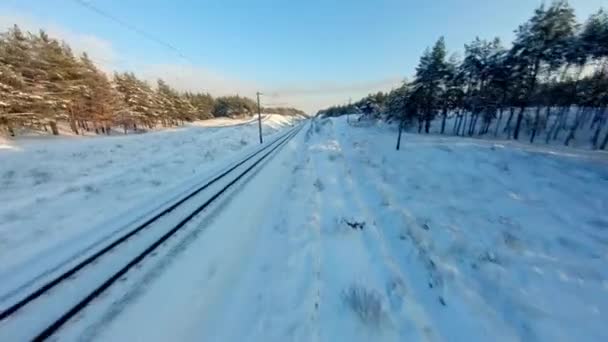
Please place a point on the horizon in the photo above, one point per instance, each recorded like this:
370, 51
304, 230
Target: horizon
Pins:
308, 56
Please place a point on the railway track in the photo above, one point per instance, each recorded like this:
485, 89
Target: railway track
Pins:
43, 311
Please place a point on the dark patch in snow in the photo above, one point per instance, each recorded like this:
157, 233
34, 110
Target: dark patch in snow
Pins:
489, 257
333, 156
70, 189
40, 176
79, 155
444, 148
366, 303
512, 241
507, 221
319, 185
9, 174
7, 177
503, 166
396, 292
11, 216
156, 182
209, 155
598, 223
91, 189
354, 224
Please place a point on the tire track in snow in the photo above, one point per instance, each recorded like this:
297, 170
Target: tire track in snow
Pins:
347, 260
398, 287
422, 246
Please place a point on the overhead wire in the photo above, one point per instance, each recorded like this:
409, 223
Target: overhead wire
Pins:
141, 32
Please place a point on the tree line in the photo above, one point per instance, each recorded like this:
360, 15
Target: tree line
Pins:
551, 83
42, 83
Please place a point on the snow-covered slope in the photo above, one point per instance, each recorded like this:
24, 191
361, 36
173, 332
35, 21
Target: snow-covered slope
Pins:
52, 191
340, 237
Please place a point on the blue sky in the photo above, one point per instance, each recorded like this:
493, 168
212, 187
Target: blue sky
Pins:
307, 53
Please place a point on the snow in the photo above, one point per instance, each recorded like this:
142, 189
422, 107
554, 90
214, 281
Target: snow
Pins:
340, 237
59, 192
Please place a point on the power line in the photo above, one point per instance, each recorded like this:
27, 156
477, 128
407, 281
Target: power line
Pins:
149, 36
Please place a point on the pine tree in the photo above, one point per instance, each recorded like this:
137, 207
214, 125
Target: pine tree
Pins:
542, 40
203, 104
23, 96
98, 102
452, 95
139, 102
430, 80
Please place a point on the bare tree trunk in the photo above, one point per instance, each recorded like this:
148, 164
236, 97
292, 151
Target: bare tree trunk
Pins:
577, 121
507, 128
464, 123
73, 126
535, 128
560, 122
563, 122
485, 128
500, 110
520, 117
72, 120
547, 115
399, 136
474, 124
444, 114
596, 118
11, 131
456, 123
599, 113
554, 125
471, 123
54, 129
604, 142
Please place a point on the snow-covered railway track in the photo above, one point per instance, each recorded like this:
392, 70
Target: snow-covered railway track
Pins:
39, 314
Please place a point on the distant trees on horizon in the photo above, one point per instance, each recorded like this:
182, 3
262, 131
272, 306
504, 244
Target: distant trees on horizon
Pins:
555, 67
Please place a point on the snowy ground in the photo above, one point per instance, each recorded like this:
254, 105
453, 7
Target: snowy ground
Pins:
340, 237
53, 192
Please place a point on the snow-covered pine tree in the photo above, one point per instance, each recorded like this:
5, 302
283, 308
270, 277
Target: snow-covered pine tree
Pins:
140, 102
24, 98
98, 102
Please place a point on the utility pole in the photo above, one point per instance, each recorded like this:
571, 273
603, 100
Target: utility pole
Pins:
259, 117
